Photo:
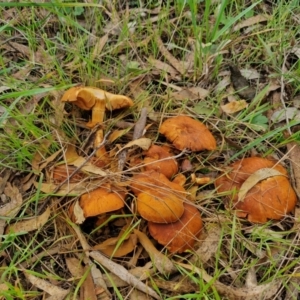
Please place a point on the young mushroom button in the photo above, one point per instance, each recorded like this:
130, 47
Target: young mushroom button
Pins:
187, 133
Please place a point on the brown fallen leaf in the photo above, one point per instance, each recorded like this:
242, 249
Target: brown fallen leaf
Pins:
75, 267
46, 286
163, 264
31, 224
251, 21
209, 246
143, 143
234, 106
172, 60
193, 93
113, 248
263, 291
87, 289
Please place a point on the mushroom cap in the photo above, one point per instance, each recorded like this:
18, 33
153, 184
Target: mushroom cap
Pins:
159, 207
86, 97
271, 198
181, 235
159, 159
185, 132
151, 181
100, 201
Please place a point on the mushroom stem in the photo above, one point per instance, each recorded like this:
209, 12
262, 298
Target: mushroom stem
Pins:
98, 112
101, 152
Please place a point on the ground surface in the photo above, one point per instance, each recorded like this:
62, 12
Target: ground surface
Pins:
191, 58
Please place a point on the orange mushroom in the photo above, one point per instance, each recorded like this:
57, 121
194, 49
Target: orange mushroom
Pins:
181, 235
185, 132
101, 200
271, 198
152, 181
97, 100
158, 199
159, 159
160, 207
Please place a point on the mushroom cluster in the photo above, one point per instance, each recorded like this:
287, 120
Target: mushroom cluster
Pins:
173, 220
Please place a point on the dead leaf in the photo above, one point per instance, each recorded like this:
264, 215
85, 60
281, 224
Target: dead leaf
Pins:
74, 266
193, 93
172, 60
290, 113
87, 166
162, 66
78, 213
234, 106
99, 46
123, 274
143, 143
113, 280
46, 286
251, 21
31, 224
113, 248
11, 208
262, 291
254, 178
117, 134
163, 264
209, 246
87, 289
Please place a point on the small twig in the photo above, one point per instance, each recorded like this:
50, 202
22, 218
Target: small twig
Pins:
73, 173
137, 133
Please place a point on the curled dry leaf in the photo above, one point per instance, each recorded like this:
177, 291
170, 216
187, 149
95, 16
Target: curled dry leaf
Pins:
31, 224
115, 247
143, 143
75, 267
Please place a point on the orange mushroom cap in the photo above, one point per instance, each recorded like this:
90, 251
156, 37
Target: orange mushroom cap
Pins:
158, 199
181, 235
100, 201
97, 100
159, 207
271, 198
159, 159
152, 181
185, 132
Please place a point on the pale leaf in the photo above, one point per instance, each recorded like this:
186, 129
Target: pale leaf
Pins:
31, 224
78, 213
117, 134
209, 246
254, 178
143, 143
87, 290
251, 21
46, 286
163, 264
87, 166
123, 274
234, 106
11, 208
74, 266
290, 113
251, 280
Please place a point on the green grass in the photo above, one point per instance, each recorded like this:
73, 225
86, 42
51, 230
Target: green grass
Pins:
48, 47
